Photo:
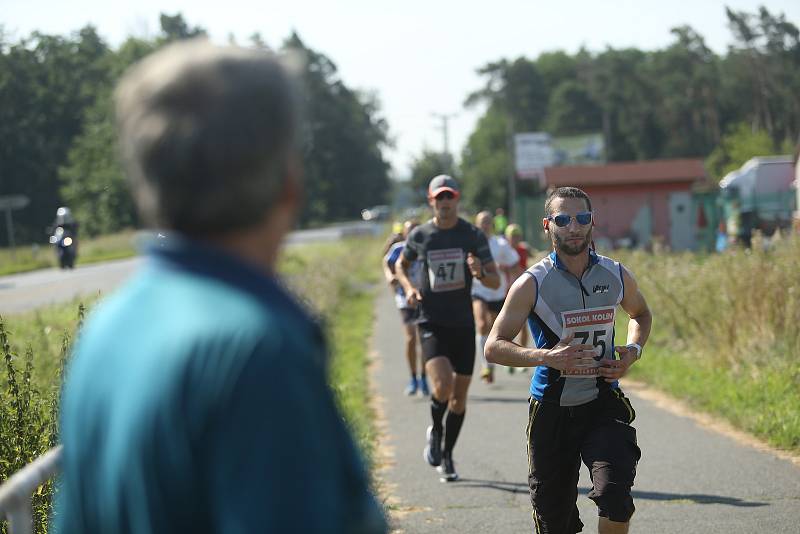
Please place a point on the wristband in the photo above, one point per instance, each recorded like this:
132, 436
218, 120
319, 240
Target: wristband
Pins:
637, 347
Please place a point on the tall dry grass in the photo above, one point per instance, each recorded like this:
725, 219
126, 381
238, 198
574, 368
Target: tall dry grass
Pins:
726, 333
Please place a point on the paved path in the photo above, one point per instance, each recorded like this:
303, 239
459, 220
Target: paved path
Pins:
690, 479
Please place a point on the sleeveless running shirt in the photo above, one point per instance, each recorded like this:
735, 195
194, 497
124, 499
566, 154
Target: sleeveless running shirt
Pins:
586, 307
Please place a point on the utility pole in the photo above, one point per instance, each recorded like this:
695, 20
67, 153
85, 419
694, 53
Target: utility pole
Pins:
445, 118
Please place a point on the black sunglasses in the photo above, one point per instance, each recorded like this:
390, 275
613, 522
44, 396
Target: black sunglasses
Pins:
444, 195
562, 219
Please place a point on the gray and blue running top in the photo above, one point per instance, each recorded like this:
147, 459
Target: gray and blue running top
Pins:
585, 307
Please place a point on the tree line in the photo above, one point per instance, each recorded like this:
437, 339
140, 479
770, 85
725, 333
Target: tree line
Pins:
57, 138
680, 101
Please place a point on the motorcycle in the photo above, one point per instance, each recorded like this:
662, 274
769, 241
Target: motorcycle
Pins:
66, 247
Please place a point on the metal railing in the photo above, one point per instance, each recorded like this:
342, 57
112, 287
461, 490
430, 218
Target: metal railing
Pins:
16, 492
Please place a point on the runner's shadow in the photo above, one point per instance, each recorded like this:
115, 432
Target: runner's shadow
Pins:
695, 498
677, 498
508, 487
481, 398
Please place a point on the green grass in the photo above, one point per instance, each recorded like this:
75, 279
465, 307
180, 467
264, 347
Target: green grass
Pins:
335, 280
97, 249
726, 336
338, 281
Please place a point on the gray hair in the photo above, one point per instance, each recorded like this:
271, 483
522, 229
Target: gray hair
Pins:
206, 135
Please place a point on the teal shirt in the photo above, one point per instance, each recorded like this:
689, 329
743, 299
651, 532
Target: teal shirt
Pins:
197, 401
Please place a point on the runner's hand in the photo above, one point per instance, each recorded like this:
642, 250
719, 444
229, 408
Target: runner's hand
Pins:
565, 356
474, 264
413, 298
613, 370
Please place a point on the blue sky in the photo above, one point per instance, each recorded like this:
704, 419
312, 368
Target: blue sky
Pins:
419, 56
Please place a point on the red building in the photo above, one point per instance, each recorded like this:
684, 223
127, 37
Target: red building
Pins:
635, 202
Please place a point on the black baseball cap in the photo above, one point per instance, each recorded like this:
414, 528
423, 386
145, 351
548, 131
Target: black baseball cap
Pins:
441, 183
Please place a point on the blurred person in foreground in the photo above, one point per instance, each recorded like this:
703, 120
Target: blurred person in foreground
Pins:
197, 399
577, 411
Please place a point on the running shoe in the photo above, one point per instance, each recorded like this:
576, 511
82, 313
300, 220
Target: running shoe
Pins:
411, 388
433, 450
447, 469
423, 386
487, 375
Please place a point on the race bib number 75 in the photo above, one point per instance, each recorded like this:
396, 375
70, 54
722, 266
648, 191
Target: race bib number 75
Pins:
446, 269
594, 326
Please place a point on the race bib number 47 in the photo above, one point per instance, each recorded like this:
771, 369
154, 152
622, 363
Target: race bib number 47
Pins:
446, 269
595, 327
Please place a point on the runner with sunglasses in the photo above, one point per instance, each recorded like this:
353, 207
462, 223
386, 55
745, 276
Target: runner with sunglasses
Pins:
577, 409
453, 252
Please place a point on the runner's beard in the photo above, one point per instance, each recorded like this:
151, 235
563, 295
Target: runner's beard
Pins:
561, 244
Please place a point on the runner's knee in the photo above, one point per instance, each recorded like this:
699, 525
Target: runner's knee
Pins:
457, 405
614, 503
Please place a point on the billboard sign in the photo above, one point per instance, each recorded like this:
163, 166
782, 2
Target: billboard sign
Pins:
533, 151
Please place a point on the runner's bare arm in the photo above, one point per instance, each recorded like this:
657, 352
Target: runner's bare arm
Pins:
501, 349
641, 320
390, 277
635, 306
487, 273
401, 272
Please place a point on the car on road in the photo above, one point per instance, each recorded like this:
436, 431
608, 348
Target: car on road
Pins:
376, 213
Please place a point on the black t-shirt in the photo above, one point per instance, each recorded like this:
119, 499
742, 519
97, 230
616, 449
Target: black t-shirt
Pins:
446, 280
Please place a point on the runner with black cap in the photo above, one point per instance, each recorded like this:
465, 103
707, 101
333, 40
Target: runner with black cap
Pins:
452, 252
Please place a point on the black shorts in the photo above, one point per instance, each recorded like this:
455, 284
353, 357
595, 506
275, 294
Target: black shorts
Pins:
493, 305
409, 315
457, 343
559, 437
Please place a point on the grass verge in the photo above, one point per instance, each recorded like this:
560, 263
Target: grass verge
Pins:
94, 250
725, 336
336, 280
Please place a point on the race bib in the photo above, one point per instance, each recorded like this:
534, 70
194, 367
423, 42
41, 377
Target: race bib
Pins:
446, 269
595, 327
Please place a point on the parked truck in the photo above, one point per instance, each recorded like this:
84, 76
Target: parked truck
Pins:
759, 196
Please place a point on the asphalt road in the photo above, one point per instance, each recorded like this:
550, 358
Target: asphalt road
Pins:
690, 479
27, 291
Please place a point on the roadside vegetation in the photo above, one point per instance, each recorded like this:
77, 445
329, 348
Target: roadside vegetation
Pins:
335, 280
726, 336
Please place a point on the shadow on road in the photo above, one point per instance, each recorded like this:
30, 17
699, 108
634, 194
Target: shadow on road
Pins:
696, 498
508, 487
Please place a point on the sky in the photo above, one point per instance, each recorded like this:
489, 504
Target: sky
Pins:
419, 57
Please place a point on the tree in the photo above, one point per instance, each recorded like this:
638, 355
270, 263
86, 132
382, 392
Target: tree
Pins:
688, 90
738, 146
517, 88
485, 162
345, 168
765, 63
572, 110
429, 164
46, 82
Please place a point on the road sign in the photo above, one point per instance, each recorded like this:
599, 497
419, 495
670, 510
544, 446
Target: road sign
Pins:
8, 203
533, 151
13, 202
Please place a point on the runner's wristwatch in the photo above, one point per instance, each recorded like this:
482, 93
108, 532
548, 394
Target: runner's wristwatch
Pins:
637, 347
